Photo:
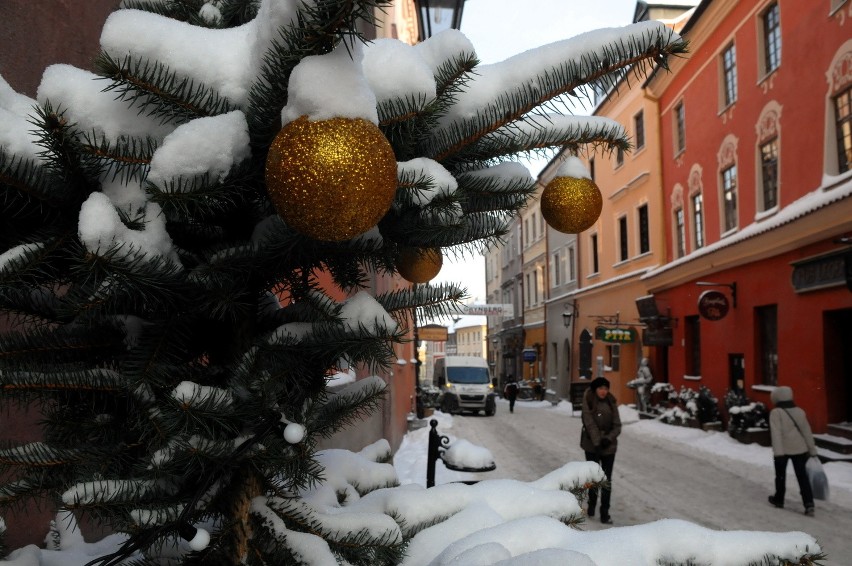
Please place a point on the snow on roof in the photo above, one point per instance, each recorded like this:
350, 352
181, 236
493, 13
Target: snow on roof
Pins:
833, 190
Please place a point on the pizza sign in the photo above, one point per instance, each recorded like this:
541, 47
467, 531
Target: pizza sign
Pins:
713, 305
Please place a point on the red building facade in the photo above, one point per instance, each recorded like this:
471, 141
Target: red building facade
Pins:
756, 144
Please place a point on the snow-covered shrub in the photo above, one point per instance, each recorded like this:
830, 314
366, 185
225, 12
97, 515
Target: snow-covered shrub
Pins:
689, 406
708, 406
742, 418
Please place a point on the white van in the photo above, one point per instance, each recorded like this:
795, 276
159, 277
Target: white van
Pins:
465, 384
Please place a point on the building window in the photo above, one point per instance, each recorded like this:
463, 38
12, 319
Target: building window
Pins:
769, 173
594, 244
644, 236
622, 239
771, 19
680, 128
698, 220
572, 266
536, 283
556, 270
767, 328
843, 113
619, 157
529, 292
613, 352
592, 169
680, 234
729, 75
639, 129
692, 341
729, 197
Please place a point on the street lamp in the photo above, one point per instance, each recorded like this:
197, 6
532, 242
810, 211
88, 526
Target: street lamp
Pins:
569, 313
435, 16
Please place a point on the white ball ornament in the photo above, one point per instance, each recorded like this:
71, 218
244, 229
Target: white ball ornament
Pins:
294, 433
200, 540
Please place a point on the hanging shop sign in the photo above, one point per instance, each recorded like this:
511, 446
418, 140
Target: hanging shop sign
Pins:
713, 305
433, 333
615, 335
529, 355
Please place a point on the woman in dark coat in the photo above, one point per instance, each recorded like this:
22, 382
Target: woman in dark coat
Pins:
601, 427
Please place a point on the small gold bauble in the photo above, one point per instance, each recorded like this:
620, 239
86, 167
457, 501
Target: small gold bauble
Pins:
419, 265
331, 179
571, 204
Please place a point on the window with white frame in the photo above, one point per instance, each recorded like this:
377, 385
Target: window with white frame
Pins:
555, 269
729, 197
769, 174
843, 119
768, 145
593, 244
680, 232
697, 204
770, 20
679, 128
729, 75
639, 129
571, 264
727, 158
623, 253
644, 229
619, 157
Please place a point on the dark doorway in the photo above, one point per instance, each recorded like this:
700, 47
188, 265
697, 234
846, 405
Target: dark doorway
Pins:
736, 370
585, 354
837, 328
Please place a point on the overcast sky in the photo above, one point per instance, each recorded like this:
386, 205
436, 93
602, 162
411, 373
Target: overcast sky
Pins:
499, 29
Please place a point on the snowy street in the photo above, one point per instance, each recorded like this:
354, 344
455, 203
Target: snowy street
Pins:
661, 471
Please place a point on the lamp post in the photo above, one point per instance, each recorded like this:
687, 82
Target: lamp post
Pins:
569, 317
434, 16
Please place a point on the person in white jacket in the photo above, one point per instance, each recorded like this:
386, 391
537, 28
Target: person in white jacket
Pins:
791, 440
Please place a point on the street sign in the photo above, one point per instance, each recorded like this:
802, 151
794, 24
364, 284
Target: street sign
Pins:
505, 310
529, 355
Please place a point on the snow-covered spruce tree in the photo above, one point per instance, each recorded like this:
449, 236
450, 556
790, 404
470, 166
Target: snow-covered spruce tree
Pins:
165, 222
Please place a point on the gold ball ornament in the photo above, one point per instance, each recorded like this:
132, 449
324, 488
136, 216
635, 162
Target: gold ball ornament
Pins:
331, 179
571, 204
419, 265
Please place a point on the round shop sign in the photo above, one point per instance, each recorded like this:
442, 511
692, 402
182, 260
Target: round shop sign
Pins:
713, 305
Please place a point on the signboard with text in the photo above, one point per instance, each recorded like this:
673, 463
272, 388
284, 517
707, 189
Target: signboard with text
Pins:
505, 310
713, 305
433, 332
615, 335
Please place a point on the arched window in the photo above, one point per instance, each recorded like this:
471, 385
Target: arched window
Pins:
768, 129
696, 206
727, 158
838, 138
678, 222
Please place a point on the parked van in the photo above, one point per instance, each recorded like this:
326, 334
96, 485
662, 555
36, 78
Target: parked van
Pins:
465, 384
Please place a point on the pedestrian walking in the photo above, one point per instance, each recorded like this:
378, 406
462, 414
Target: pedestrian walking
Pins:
510, 392
791, 440
599, 439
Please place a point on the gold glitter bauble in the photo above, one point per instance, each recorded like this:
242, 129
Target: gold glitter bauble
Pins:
571, 205
332, 179
419, 265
